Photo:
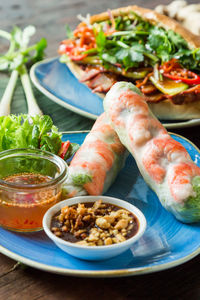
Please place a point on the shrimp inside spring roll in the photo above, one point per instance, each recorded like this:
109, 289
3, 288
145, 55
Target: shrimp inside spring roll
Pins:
97, 162
163, 162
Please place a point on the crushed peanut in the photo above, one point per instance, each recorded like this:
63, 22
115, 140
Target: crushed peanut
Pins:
94, 224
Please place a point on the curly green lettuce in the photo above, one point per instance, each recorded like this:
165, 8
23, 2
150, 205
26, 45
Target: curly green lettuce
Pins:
24, 131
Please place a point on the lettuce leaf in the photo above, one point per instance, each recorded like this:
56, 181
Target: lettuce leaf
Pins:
73, 148
189, 211
192, 205
29, 132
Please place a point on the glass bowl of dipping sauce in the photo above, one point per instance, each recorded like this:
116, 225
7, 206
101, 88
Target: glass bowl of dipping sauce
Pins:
30, 183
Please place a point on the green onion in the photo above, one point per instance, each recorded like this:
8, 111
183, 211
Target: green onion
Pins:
15, 60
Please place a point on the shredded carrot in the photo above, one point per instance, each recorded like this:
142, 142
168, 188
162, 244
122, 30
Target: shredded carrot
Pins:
85, 40
139, 84
170, 65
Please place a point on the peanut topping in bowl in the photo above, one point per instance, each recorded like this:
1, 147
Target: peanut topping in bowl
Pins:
94, 224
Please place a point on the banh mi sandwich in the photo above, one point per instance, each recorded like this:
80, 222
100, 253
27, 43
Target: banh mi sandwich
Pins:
97, 162
139, 45
164, 163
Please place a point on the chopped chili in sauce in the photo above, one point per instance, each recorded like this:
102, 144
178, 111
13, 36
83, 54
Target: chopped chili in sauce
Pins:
27, 178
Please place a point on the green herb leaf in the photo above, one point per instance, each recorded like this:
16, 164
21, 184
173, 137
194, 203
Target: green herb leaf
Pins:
158, 41
19, 53
176, 39
35, 137
44, 123
50, 143
81, 179
101, 41
20, 132
39, 50
136, 53
69, 32
65, 59
109, 58
136, 42
73, 148
4, 64
121, 54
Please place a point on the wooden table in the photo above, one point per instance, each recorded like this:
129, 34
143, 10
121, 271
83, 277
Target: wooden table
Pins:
16, 282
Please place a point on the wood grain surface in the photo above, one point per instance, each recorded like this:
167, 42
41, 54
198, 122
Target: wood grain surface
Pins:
19, 282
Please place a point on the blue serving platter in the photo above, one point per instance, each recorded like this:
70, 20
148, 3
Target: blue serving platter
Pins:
55, 80
166, 242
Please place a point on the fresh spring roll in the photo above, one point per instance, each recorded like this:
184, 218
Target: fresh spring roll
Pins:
163, 162
97, 163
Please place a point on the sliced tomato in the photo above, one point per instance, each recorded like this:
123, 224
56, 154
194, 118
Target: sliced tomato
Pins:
63, 149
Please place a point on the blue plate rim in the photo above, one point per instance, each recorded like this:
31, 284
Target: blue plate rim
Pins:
103, 273
34, 79
91, 273
53, 97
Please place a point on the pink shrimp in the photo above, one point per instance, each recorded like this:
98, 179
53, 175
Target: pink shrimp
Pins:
95, 187
129, 99
151, 162
117, 147
106, 131
100, 122
172, 149
180, 180
138, 129
126, 101
141, 129
98, 168
97, 154
164, 163
103, 150
104, 155
159, 149
97, 173
71, 194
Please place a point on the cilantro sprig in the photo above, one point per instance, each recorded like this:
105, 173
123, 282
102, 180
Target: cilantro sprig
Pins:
137, 43
15, 60
81, 179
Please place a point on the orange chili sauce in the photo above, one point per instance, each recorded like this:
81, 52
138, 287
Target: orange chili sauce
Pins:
23, 210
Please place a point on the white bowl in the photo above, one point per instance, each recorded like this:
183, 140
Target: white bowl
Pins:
93, 252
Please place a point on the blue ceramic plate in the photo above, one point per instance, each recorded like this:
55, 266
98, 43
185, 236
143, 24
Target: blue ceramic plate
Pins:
56, 81
165, 244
